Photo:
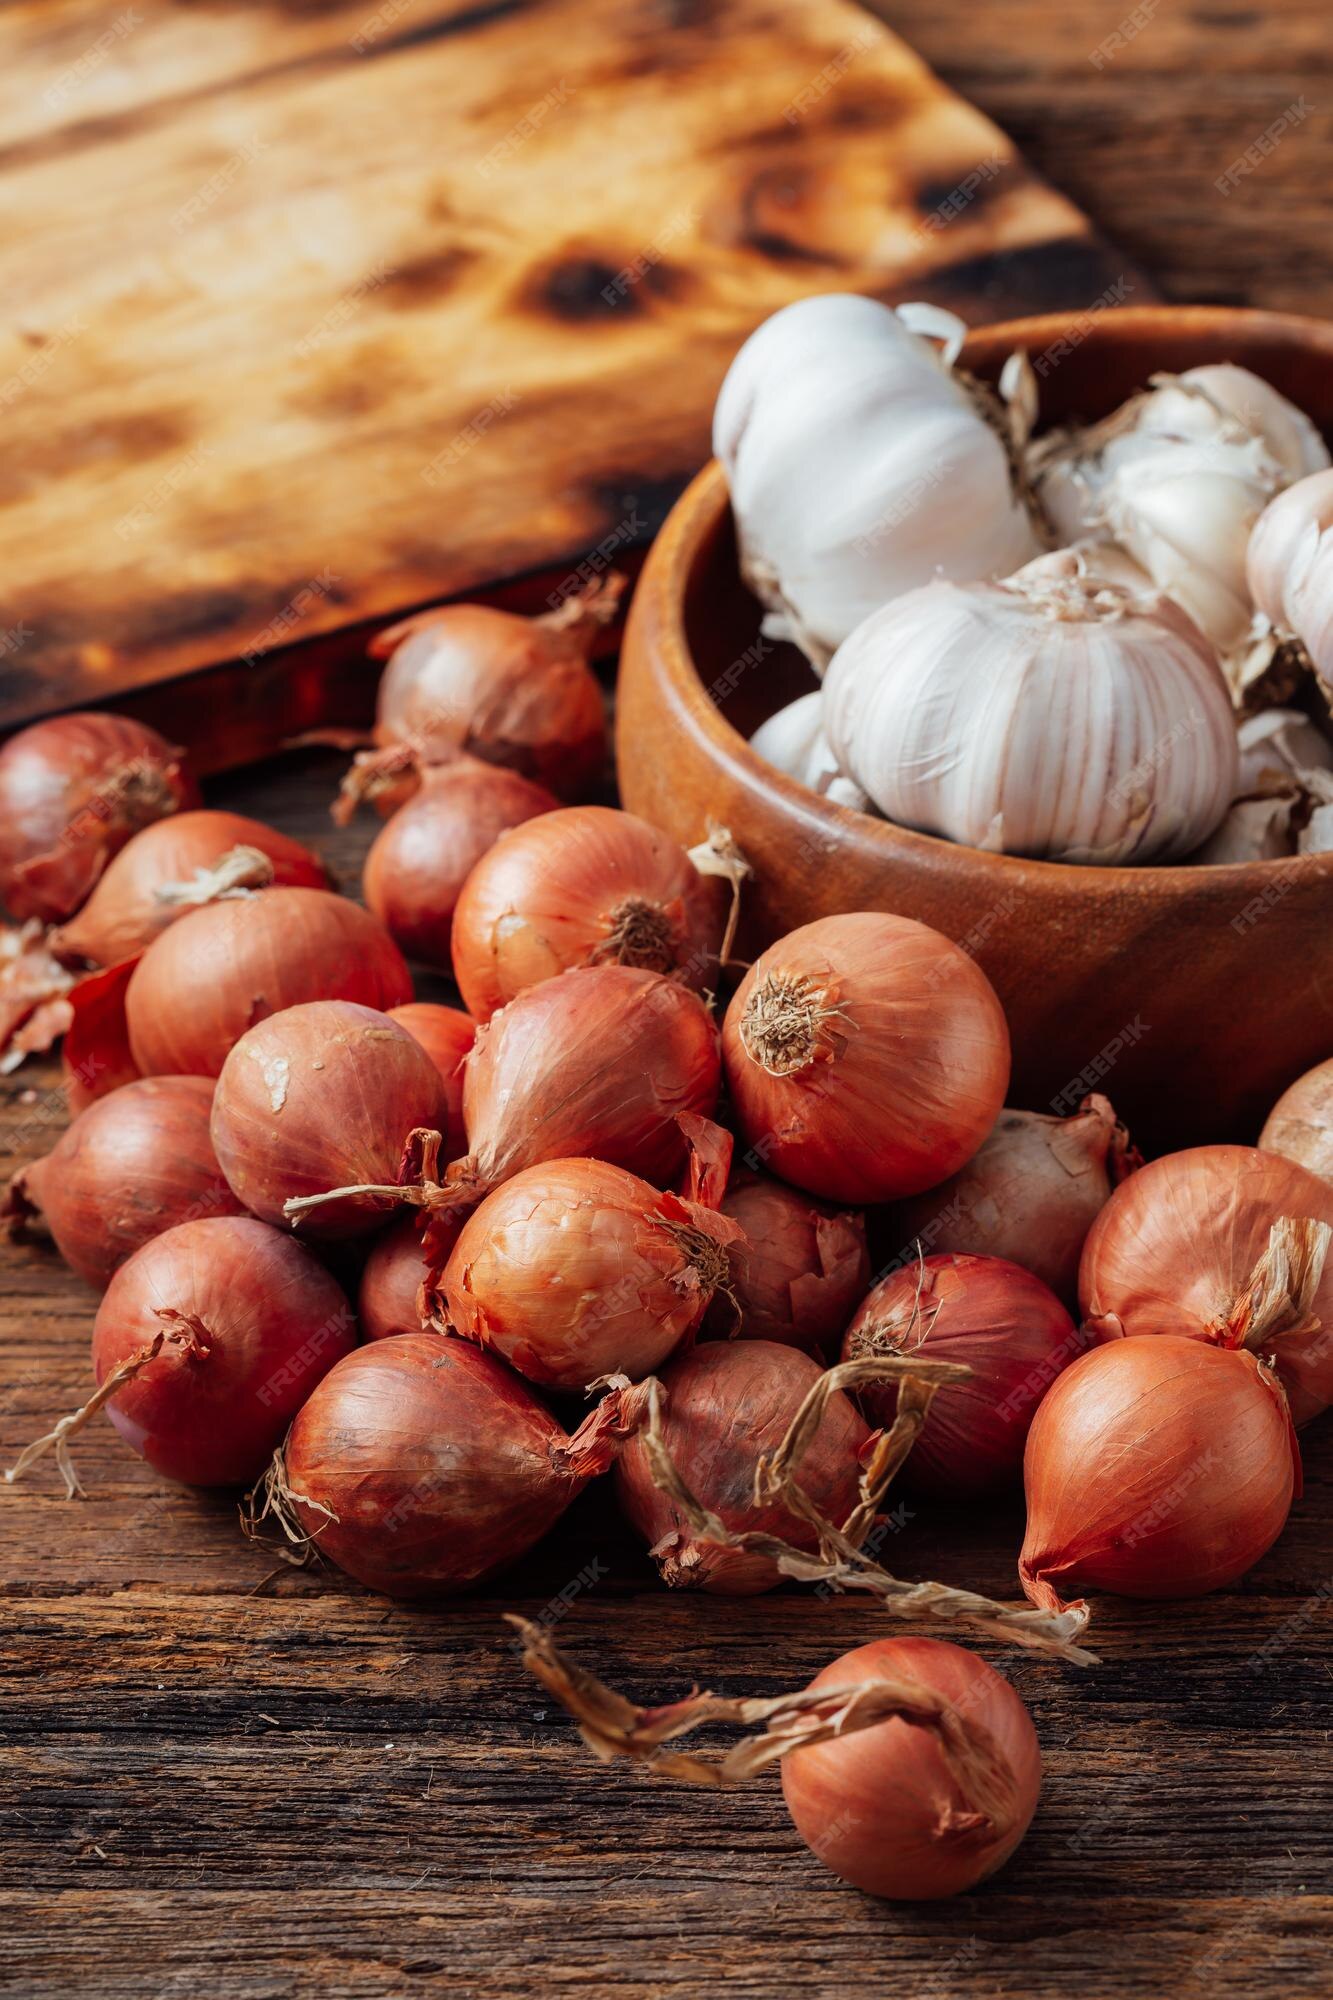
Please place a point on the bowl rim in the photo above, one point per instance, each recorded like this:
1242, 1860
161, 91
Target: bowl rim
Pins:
700, 509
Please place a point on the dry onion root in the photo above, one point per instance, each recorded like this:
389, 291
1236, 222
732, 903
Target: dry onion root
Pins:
909, 1767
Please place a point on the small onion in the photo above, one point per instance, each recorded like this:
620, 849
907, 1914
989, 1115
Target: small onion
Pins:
419, 863
72, 791
574, 1270
325, 1092
129, 1166
585, 886
422, 1465
388, 1300
1156, 1467
728, 1404
220, 969
1177, 1247
446, 1034
908, 1810
1300, 1125
867, 1057
1031, 1194
799, 1271
253, 1322
169, 868
999, 1321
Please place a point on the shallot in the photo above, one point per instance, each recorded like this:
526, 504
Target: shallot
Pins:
389, 1298
798, 1271
1300, 1125
446, 1034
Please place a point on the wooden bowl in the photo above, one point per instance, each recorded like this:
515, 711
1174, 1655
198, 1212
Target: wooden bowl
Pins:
1191, 996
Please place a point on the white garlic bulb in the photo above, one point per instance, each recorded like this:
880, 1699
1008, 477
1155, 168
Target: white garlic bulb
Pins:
1291, 567
860, 466
793, 740
1051, 715
1177, 478
1280, 743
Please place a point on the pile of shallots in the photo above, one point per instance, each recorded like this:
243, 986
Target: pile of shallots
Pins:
417, 1275
1110, 644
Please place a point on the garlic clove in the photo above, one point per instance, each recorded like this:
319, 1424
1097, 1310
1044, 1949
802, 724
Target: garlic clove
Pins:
1260, 828
793, 740
1290, 568
1278, 743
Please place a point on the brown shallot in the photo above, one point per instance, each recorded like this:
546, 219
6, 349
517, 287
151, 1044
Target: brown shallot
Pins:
796, 1274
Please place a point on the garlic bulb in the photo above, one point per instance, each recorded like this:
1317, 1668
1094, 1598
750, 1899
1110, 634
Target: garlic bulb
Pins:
1052, 715
861, 466
1291, 568
793, 741
1278, 743
1177, 478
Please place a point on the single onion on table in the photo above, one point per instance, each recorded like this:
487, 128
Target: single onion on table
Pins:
867, 1057
422, 1465
1031, 1193
205, 1345
72, 792
129, 1167
220, 969
1300, 1125
173, 866
586, 886
417, 866
1188, 1247
1007, 1327
325, 1091
447, 1035
1156, 1467
796, 1274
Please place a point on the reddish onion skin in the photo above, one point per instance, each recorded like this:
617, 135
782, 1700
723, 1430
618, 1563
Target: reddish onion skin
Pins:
437, 1463
222, 968
128, 1168
728, 1404
799, 1272
323, 1095
881, 1806
72, 792
388, 1300
867, 1057
999, 1321
125, 911
1156, 1467
1031, 1194
574, 1270
599, 1062
272, 1320
1177, 1245
446, 1034
1300, 1125
96, 1058
585, 886
417, 866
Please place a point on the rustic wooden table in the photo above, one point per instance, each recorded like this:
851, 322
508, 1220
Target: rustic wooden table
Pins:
222, 1785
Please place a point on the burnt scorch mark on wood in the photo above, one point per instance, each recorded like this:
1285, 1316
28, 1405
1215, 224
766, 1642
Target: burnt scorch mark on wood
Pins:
421, 281
579, 289
139, 438
966, 193
1034, 278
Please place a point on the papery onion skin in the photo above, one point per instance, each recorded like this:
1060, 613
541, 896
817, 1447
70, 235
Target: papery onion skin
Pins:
1178, 1243
272, 1320
881, 1807
727, 1404
800, 1272
388, 1301
999, 1321
447, 1035
1031, 1193
895, 1055
72, 791
1300, 1125
417, 866
1156, 1467
126, 1170
125, 911
600, 1061
222, 968
574, 1270
587, 885
440, 1465
322, 1095
96, 1058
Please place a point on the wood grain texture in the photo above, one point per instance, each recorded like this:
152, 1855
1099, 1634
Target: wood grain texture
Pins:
219, 1788
315, 312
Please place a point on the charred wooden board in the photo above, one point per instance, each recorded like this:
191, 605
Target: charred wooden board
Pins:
316, 312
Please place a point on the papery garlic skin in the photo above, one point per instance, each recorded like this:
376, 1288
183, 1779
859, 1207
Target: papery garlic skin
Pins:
1281, 742
793, 740
1051, 715
859, 468
1290, 567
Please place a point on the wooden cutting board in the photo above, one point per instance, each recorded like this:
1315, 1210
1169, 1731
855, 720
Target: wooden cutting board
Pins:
315, 313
